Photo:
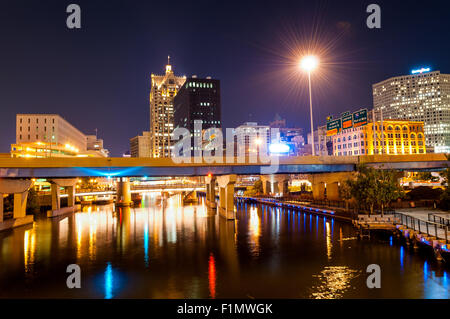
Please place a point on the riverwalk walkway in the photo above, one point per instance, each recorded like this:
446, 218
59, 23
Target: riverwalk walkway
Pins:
422, 218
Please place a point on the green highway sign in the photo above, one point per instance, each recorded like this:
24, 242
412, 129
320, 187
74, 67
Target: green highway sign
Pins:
333, 127
347, 120
360, 118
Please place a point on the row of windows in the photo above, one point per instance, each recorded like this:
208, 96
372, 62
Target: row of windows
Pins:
390, 143
391, 151
389, 135
37, 128
200, 85
37, 121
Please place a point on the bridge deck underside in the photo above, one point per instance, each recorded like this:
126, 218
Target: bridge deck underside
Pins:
25, 172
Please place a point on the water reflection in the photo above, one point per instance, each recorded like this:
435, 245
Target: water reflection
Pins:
212, 276
162, 249
334, 281
108, 282
29, 242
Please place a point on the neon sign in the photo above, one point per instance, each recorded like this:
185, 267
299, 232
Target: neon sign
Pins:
421, 70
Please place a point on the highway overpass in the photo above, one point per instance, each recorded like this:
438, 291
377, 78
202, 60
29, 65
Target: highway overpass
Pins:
139, 167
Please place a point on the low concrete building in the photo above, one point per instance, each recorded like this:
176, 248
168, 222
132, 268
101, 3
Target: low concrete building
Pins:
140, 145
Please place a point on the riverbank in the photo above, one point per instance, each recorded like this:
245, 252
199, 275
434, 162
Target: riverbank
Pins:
398, 224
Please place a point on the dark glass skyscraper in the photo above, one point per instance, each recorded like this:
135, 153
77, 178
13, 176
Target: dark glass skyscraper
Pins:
198, 100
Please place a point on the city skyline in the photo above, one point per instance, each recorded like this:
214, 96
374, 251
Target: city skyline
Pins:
255, 82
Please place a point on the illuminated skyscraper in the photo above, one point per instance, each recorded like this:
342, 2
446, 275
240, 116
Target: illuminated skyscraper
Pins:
163, 90
420, 96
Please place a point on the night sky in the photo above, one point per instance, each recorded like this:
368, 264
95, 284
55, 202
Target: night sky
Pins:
99, 76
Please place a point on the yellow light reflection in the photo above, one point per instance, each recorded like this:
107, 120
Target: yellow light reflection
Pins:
254, 230
328, 240
334, 281
29, 246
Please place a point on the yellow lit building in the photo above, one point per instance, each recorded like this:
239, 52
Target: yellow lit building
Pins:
396, 137
41, 150
162, 92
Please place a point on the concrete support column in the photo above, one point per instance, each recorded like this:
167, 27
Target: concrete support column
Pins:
333, 191
55, 187
318, 190
275, 188
20, 189
226, 200
70, 196
20, 205
210, 191
222, 198
267, 188
123, 192
1, 207
276, 184
56, 196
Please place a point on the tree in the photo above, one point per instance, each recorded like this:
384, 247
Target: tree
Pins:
388, 188
373, 186
345, 192
445, 196
256, 189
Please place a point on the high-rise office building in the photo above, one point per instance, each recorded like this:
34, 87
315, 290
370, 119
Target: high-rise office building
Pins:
163, 90
198, 101
140, 145
424, 96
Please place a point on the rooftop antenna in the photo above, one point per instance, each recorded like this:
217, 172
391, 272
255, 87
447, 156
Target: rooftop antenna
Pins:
95, 133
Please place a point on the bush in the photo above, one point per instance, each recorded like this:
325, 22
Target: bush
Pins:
424, 192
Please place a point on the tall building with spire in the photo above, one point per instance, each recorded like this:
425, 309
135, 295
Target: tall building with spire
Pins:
162, 92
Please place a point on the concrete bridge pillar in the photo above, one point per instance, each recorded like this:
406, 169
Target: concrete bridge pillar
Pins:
55, 188
20, 190
333, 191
226, 196
123, 192
1, 208
210, 191
267, 187
283, 184
56, 196
332, 182
318, 190
20, 205
275, 184
70, 196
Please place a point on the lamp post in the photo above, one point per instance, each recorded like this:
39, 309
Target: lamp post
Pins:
309, 63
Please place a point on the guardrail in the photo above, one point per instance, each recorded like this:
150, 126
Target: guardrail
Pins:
439, 219
423, 226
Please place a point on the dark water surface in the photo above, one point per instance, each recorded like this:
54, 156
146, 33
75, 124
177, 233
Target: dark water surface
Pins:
165, 250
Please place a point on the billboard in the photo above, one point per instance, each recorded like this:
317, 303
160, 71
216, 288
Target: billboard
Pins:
333, 127
360, 118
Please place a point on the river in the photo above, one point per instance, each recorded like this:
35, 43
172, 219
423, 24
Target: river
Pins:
163, 249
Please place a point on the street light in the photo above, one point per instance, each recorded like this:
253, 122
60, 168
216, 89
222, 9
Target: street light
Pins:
309, 63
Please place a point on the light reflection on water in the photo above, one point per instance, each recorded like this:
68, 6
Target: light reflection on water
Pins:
334, 281
162, 249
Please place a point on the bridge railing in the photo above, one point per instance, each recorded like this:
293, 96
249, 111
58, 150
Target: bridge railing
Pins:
424, 226
439, 219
